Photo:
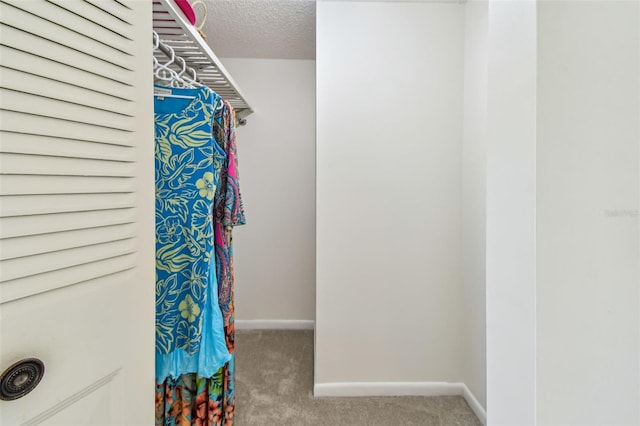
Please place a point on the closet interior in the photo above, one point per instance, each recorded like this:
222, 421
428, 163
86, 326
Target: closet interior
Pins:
441, 201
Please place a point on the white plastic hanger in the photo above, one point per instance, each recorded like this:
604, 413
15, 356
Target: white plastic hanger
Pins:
191, 82
162, 72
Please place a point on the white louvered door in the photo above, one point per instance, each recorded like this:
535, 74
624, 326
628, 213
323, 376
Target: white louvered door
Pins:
76, 212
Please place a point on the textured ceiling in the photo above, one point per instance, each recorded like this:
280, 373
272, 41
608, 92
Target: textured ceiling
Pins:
279, 29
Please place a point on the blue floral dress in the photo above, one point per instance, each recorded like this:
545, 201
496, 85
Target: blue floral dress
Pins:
189, 326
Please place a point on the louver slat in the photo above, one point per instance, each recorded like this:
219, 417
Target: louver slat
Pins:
67, 161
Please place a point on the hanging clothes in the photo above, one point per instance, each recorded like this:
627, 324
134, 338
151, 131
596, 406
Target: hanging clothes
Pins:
196, 172
195, 400
229, 212
189, 324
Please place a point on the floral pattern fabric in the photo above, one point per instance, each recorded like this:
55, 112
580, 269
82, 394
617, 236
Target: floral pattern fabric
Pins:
209, 175
189, 325
194, 400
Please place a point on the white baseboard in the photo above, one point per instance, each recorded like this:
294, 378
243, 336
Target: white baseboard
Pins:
387, 389
477, 408
275, 324
321, 390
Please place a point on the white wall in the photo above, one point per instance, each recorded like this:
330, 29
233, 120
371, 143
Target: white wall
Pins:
563, 309
389, 142
511, 178
587, 208
474, 194
275, 251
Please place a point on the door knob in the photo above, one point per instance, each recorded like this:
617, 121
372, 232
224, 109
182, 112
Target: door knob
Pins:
21, 378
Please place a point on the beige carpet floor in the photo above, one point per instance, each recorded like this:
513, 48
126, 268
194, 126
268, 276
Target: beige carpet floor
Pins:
274, 382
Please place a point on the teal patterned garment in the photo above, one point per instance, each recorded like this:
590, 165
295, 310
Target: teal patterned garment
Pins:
189, 326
